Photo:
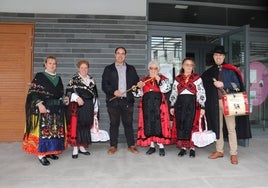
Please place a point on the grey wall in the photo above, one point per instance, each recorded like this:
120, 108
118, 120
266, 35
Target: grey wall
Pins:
92, 37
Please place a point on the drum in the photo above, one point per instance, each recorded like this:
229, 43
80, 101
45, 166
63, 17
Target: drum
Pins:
235, 104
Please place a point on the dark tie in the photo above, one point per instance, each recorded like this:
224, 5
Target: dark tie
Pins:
220, 79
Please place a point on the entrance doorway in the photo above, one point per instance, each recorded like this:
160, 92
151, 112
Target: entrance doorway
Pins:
199, 48
16, 52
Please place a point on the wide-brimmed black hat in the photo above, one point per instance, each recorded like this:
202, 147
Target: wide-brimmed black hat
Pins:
219, 50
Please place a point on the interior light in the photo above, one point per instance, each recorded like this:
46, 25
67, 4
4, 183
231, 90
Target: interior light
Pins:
181, 6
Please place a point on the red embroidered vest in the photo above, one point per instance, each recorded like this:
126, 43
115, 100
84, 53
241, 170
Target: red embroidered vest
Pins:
184, 84
152, 85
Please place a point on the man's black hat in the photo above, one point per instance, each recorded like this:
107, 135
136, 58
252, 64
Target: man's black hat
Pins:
219, 50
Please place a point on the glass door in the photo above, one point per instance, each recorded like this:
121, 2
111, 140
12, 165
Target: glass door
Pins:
168, 50
251, 57
259, 83
236, 43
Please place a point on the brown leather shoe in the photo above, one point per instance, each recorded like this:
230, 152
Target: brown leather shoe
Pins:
234, 159
216, 155
133, 149
112, 150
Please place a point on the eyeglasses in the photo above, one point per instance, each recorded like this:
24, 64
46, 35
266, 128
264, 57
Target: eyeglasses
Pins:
153, 68
189, 65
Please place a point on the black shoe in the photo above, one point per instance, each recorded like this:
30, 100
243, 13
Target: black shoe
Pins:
44, 161
150, 151
52, 156
182, 153
192, 153
84, 153
162, 152
75, 156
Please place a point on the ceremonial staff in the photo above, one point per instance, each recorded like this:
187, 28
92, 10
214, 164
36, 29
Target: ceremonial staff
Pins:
131, 89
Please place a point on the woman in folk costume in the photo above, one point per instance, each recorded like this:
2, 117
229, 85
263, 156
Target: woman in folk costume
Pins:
83, 94
45, 115
187, 104
154, 123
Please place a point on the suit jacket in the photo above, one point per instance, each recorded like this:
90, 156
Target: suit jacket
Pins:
110, 83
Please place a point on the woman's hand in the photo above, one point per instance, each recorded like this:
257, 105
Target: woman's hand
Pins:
134, 88
157, 77
42, 108
171, 111
66, 100
80, 101
140, 84
202, 112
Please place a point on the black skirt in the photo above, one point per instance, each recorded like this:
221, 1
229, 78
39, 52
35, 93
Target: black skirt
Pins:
85, 116
185, 113
151, 102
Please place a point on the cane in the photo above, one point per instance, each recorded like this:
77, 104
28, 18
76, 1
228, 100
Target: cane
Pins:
130, 89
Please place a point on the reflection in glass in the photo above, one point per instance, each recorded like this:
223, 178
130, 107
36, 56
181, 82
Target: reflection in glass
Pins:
168, 52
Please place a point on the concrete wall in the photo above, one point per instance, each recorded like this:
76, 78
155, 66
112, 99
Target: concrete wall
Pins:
92, 7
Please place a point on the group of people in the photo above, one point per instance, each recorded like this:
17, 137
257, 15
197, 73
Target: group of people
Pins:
55, 119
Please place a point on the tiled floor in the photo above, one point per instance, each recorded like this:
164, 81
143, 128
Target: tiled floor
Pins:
124, 169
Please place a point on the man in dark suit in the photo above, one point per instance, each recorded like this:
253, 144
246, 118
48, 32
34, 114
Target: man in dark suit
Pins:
116, 79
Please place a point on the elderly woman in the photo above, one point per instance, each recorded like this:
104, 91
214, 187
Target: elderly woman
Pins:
45, 115
187, 103
153, 123
83, 94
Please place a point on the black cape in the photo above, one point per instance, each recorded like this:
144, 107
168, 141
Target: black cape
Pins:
243, 130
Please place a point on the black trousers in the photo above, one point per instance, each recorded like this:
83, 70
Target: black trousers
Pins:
122, 111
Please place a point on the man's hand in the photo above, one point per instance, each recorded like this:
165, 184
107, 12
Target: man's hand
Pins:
117, 93
218, 84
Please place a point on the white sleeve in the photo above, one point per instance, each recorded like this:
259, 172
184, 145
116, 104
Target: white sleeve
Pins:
138, 92
174, 94
74, 97
165, 86
96, 105
201, 93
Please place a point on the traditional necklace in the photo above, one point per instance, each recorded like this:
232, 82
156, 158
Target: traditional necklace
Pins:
153, 82
187, 78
